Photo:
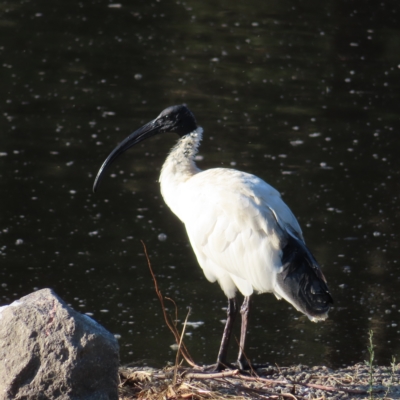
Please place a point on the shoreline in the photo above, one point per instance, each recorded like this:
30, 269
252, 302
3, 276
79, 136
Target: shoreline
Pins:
293, 382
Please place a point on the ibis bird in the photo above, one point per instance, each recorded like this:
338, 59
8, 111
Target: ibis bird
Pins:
243, 235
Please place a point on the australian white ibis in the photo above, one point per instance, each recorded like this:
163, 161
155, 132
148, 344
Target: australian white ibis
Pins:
243, 234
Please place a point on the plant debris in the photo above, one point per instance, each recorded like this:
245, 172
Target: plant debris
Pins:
296, 382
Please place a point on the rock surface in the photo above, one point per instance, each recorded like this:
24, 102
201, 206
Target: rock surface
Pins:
49, 351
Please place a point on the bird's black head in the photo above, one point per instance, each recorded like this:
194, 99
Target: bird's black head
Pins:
177, 119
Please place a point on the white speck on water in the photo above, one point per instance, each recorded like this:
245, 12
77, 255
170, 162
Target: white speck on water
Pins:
19, 242
199, 158
3, 154
347, 269
162, 237
117, 336
72, 191
138, 77
296, 142
114, 5
194, 324
174, 346
94, 233
315, 134
376, 233
104, 311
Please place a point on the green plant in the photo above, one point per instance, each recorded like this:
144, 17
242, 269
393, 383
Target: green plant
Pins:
392, 374
370, 364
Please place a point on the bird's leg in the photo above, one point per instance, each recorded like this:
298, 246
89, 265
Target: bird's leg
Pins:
244, 311
223, 350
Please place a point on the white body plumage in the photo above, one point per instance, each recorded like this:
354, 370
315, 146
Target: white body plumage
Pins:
234, 220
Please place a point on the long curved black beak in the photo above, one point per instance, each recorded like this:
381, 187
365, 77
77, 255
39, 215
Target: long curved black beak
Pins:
178, 119
146, 131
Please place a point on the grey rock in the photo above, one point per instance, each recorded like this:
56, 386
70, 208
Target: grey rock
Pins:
49, 351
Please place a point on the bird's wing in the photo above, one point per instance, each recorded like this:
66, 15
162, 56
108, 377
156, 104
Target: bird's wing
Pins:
272, 198
236, 224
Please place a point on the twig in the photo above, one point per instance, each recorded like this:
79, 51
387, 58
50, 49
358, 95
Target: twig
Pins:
263, 393
172, 327
175, 306
252, 372
312, 385
179, 348
223, 374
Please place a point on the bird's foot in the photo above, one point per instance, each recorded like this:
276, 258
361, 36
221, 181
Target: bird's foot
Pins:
219, 366
243, 365
246, 365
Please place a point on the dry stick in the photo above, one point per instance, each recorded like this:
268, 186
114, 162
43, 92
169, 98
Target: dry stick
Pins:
235, 373
224, 374
263, 393
172, 328
253, 373
176, 308
312, 385
179, 348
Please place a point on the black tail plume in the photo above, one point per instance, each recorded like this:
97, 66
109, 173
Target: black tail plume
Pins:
302, 280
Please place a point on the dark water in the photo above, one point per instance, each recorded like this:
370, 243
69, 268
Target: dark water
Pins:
302, 94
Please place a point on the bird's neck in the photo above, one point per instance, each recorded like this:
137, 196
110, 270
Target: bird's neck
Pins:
180, 161
179, 167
